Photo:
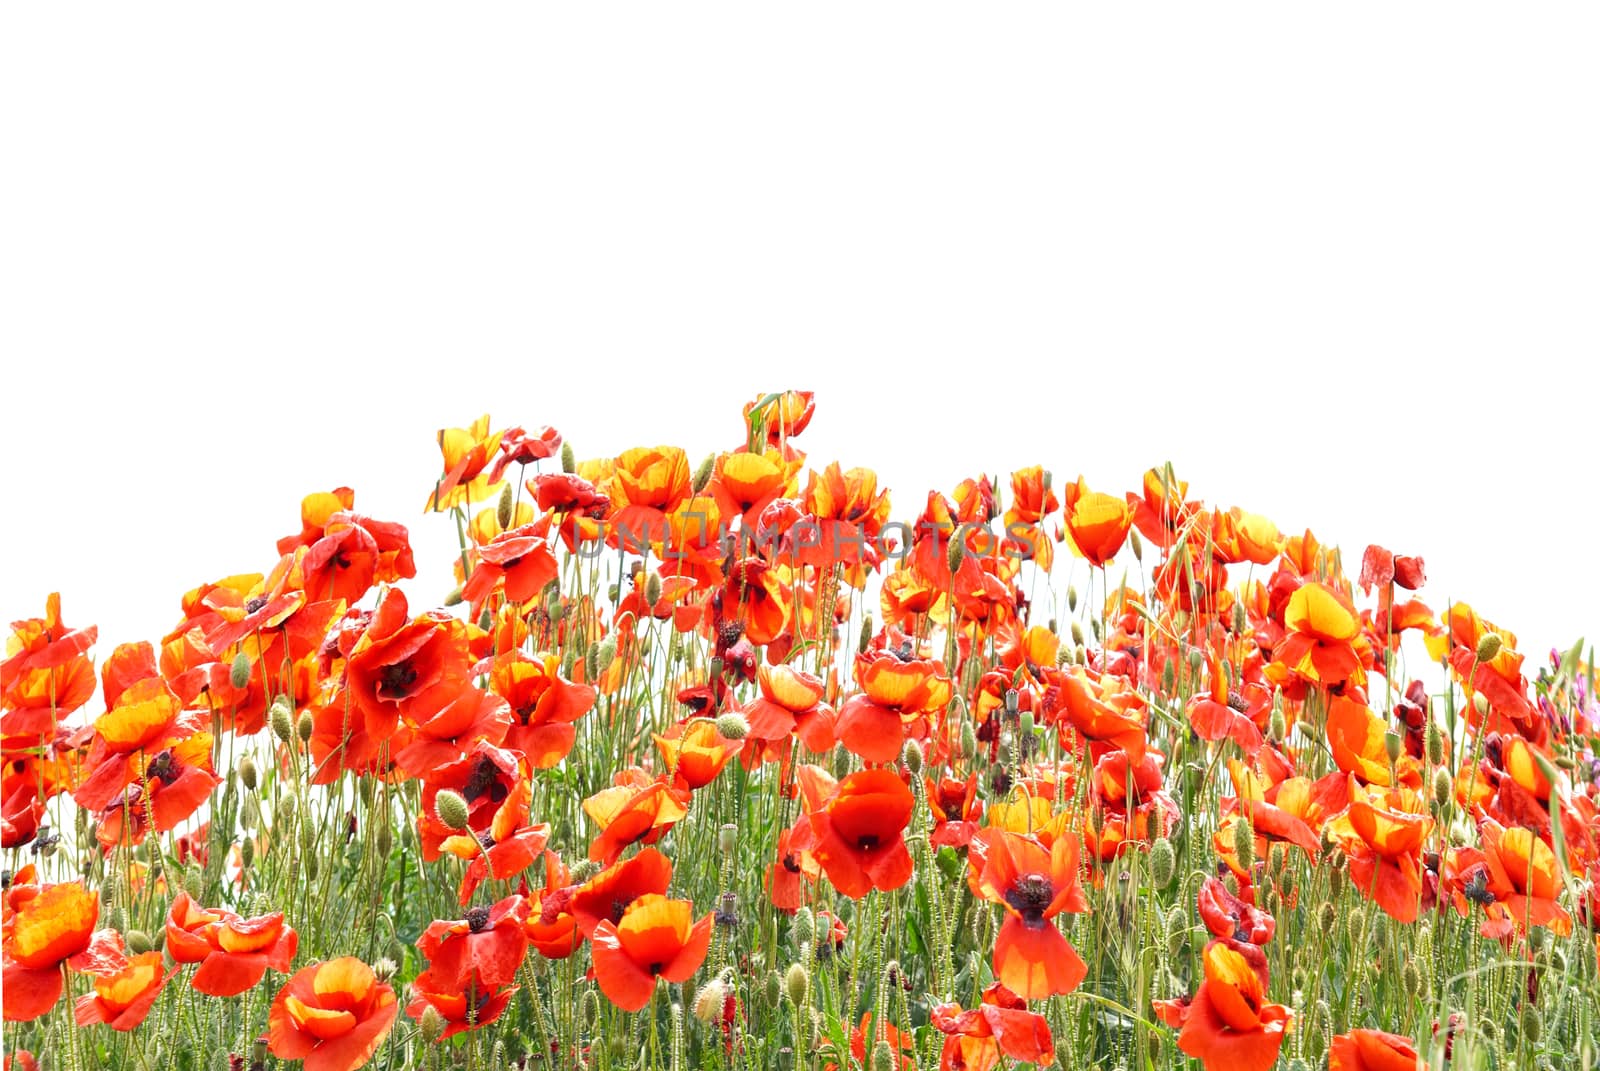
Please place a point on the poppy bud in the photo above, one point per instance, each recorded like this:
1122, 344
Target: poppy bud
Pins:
652, 589
305, 726
708, 1002
1094, 627
1163, 862
1435, 742
433, 1024
1443, 789
1394, 744
239, 675
139, 942
1411, 979
313, 866
1380, 928
451, 809
1327, 915
502, 509
1244, 842
969, 741
569, 460
589, 1009
866, 635
955, 554
1489, 646
1169, 678
1072, 599
247, 852
281, 717
605, 654
454, 597
583, 870
1197, 661
247, 773
1532, 1024
702, 475
1239, 619
1077, 634
733, 725
803, 930
797, 984
1307, 728
486, 619
883, 1056
1137, 544
385, 841
912, 756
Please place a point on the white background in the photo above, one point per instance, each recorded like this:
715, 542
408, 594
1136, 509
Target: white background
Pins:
1338, 263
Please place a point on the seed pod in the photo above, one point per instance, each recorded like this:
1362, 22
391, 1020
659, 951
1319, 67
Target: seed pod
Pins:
239, 674
727, 838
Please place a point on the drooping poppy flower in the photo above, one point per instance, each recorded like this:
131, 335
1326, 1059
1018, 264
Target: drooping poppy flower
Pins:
895, 693
517, 446
1226, 915
1002, 1023
637, 809
1031, 957
1373, 1050
552, 928
332, 1015
47, 929
173, 783
464, 1006
856, 829
467, 452
507, 848
657, 938
354, 553
1229, 1025
123, 995
484, 948
782, 416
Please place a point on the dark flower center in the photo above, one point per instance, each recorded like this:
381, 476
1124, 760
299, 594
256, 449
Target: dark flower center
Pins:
396, 681
478, 919
255, 604
483, 778
867, 842
163, 766
1030, 895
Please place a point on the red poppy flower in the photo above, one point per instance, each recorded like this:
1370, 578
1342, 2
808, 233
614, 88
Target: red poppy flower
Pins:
234, 953
446, 735
1373, 1050
608, 894
552, 928
1524, 876
783, 415
855, 829
123, 995
1229, 1026
518, 564
464, 1006
47, 929
956, 810
795, 870
517, 446
484, 777
695, 752
1382, 833
1106, 711
895, 692
1002, 1023
484, 948
46, 673
466, 455
1031, 957
508, 847
655, 939
1226, 915
790, 702
332, 1015
848, 512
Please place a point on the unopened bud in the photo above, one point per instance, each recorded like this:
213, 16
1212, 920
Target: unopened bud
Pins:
1244, 842
305, 726
451, 808
239, 675
969, 741
247, 852
708, 1002
281, 718
866, 635
1072, 599
1411, 979
583, 870
569, 460
247, 773
652, 589
433, 1024
1434, 739
486, 619
1077, 634
1137, 544
1327, 916
797, 984
804, 928
912, 756
727, 838
1489, 646
502, 509
589, 1009
955, 553
1532, 1024
702, 475
1443, 789
883, 1056
454, 597
605, 654
1169, 677
1239, 619
1394, 745
384, 843
139, 942
1163, 862
733, 725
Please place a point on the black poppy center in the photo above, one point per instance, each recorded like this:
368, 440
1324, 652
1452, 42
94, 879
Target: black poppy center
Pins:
395, 682
1030, 895
482, 780
478, 919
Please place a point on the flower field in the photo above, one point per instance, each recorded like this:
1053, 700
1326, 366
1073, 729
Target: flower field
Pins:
743, 764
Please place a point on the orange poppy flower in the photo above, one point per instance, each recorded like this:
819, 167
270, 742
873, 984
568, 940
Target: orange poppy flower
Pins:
645, 486
1159, 510
544, 705
1382, 833
856, 829
783, 415
1097, 523
124, 994
637, 809
1373, 1050
46, 674
467, 452
896, 691
1499, 680
234, 953
464, 1007
1356, 735
1322, 642
47, 929
743, 484
1237, 536
695, 752
1002, 1023
849, 513
1106, 711
332, 1015
1031, 957
790, 702
1524, 876
518, 564
1229, 1025
796, 869
655, 939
